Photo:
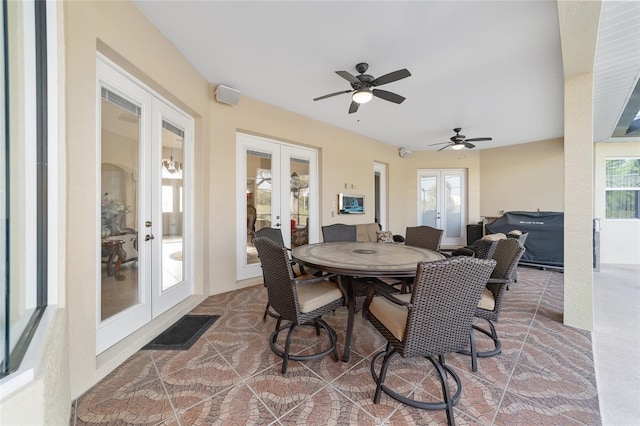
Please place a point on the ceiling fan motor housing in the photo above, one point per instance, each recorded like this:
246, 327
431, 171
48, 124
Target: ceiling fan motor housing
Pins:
365, 81
362, 67
458, 137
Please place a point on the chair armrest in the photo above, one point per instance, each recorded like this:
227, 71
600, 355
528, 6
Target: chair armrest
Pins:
497, 281
373, 291
395, 300
314, 280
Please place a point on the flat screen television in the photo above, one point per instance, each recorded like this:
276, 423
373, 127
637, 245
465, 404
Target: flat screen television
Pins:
350, 204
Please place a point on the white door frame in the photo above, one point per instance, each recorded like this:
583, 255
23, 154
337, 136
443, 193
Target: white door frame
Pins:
162, 300
381, 169
280, 214
441, 217
153, 109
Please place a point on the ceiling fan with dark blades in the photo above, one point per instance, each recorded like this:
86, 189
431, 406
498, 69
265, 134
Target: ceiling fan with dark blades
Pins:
362, 86
460, 141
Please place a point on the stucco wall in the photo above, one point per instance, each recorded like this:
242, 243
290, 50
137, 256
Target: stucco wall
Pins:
619, 238
138, 47
524, 177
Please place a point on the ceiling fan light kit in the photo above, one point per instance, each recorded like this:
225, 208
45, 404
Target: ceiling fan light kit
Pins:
362, 84
362, 96
460, 141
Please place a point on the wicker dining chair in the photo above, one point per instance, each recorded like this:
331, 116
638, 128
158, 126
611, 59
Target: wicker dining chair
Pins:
423, 236
275, 235
507, 254
522, 238
430, 322
339, 232
418, 236
297, 301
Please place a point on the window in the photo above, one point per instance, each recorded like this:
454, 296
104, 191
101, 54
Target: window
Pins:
23, 177
623, 188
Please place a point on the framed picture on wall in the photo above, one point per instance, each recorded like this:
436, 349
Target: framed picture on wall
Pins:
350, 204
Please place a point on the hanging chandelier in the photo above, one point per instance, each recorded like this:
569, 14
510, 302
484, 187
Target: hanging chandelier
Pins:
171, 165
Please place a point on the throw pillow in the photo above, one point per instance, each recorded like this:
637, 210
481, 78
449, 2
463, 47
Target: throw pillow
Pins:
384, 236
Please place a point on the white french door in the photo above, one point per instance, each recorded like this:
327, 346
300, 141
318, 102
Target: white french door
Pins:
442, 203
277, 186
144, 159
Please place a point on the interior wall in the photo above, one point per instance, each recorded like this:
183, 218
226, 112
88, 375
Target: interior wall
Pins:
524, 177
613, 248
403, 190
344, 159
138, 47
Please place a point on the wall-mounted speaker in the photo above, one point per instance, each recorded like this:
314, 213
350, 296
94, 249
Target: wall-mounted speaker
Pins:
227, 95
403, 152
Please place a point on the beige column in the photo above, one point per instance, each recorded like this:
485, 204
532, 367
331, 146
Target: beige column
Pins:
578, 22
578, 202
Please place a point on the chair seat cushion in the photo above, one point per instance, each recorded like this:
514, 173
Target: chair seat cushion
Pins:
494, 237
390, 280
315, 295
391, 315
487, 301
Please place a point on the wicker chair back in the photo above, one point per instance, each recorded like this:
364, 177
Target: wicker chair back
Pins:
278, 278
274, 234
445, 294
423, 236
507, 255
484, 249
339, 232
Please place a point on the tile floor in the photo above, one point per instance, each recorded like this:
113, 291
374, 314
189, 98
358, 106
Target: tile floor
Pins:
544, 376
616, 343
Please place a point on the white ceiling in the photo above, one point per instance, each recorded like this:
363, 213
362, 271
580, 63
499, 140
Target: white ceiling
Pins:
617, 68
493, 68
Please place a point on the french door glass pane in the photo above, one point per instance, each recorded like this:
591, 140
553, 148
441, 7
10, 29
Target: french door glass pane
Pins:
171, 204
453, 206
119, 174
429, 200
259, 190
299, 201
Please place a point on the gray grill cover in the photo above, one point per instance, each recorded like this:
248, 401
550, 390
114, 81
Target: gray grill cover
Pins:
545, 243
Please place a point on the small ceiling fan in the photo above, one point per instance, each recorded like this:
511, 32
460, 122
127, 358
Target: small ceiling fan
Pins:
362, 86
460, 141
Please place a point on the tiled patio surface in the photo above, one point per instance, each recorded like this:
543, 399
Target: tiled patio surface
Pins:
544, 376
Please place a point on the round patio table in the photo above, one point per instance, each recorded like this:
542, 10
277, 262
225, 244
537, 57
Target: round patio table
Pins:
362, 259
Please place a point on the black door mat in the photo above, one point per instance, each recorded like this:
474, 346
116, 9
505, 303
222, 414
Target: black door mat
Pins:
183, 334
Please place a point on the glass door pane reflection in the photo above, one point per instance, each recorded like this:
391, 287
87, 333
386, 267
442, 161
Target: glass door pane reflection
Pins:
171, 203
299, 201
428, 201
453, 206
119, 173
259, 192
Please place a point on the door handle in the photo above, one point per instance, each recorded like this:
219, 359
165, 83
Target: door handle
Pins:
148, 237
